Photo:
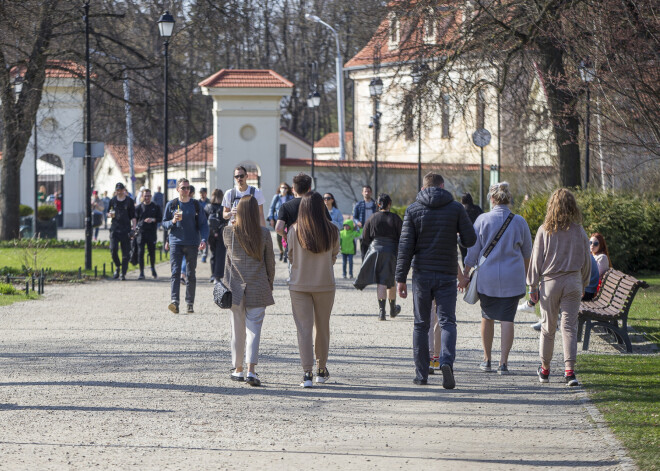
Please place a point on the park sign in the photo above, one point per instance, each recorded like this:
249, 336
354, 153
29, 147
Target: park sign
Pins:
97, 149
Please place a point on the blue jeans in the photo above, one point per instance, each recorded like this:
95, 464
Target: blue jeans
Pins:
177, 252
347, 258
426, 287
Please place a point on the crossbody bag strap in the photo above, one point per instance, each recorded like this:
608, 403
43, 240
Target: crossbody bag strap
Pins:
498, 236
231, 259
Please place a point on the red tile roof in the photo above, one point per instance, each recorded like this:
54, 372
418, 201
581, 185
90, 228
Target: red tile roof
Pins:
332, 139
246, 78
56, 69
410, 44
141, 157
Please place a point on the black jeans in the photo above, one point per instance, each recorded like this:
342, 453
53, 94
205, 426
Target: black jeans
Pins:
117, 240
426, 287
218, 259
150, 242
176, 257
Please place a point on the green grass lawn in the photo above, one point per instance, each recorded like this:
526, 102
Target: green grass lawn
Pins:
626, 388
7, 299
59, 259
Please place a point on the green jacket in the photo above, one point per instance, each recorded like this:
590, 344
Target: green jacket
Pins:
347, 237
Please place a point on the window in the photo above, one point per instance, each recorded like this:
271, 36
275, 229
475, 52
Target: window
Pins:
445, 116
481, 109
429, 26
395, 32
408, 117
282, 151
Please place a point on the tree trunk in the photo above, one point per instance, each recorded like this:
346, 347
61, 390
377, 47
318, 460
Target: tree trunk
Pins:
563, 113
10, 183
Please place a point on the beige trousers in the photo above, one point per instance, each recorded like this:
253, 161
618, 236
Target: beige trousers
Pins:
311, 313
560, 295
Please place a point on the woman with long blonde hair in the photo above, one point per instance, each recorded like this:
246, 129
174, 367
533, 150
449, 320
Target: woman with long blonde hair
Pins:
249, 274
313, 247
559, 271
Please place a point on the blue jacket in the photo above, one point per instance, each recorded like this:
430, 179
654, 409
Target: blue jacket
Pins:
359, 210
275, 204
185, 232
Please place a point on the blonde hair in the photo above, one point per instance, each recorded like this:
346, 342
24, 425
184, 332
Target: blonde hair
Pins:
500, 193
562, 211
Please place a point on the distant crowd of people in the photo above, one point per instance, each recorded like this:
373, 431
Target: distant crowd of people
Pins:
561, 267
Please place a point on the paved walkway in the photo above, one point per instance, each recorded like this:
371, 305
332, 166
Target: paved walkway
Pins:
101, 374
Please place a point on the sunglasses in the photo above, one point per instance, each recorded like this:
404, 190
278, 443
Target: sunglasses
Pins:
594, 243
327, 198
242, 175
185, 188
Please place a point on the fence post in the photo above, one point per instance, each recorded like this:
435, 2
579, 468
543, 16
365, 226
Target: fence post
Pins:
32, 281
160, 250
104, 270
96, 271
27, 288
8, 279
112, 267
79, 272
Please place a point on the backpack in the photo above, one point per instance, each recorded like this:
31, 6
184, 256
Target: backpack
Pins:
233, 193
216, 221
175, 202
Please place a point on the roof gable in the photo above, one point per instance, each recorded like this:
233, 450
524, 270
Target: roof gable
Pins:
246, 78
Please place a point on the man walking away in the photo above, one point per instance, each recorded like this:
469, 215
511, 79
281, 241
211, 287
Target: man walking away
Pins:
362, 211
189, 231
288, 213
121, 211
148, 215
428, 243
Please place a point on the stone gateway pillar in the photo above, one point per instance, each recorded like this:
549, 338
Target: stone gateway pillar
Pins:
246, 126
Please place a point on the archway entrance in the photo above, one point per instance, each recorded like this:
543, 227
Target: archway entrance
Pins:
50, 182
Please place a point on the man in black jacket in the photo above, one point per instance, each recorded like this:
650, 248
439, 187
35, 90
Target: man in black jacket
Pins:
428, 243
148, 215
122, 212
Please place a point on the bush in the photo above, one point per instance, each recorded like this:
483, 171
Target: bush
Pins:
6, 288
629, 223
46, 212
399, 210
24, 210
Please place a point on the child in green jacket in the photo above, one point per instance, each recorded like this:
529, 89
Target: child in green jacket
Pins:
347, 238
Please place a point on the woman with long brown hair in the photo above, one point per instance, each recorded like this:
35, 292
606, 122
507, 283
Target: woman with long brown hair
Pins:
313, 247
559, 270
600, 252
249, 274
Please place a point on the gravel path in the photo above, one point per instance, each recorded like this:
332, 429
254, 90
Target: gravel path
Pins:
101, 374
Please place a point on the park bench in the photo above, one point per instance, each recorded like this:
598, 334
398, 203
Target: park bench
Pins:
609, 309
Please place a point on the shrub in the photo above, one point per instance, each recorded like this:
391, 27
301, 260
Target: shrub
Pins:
399, 210
6, 288
25, 210
629, 223
46, 212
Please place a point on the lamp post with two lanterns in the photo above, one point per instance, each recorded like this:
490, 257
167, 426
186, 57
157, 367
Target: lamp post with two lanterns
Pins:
313, 102
165, 27
587, 74
375, 91
418, 74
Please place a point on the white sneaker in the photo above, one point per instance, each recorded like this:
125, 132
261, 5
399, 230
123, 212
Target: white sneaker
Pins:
524, 307
307, 380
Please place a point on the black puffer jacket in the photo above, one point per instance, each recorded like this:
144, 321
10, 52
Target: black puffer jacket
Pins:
428, 237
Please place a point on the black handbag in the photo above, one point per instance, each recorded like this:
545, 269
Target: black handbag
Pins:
221, 293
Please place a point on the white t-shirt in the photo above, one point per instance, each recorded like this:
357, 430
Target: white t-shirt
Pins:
235, 193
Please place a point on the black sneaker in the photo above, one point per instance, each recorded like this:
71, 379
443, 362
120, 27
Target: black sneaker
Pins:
174, 307
190, 309
322, 375
141, 277
420, 382
571, 380
448, 381
153, 273
543, 378
253, 379
381, 315
123, 277
116, 275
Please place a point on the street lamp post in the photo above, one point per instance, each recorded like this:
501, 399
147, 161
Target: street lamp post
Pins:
88, 148
313, 102
165, 28
418, 74
587, 74
339, 72
375, 91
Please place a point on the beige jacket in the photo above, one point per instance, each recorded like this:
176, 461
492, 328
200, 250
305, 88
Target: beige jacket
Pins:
249, 277
558, 254
310, 272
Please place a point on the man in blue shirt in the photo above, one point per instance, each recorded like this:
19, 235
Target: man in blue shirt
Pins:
189, 231
362, 211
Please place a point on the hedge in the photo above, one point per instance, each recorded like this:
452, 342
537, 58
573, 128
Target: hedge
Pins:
629, 223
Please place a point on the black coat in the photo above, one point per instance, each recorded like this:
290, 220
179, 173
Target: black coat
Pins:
428, 237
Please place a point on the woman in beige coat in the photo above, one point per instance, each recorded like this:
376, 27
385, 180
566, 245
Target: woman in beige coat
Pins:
559, 270
313, 247
249, 274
